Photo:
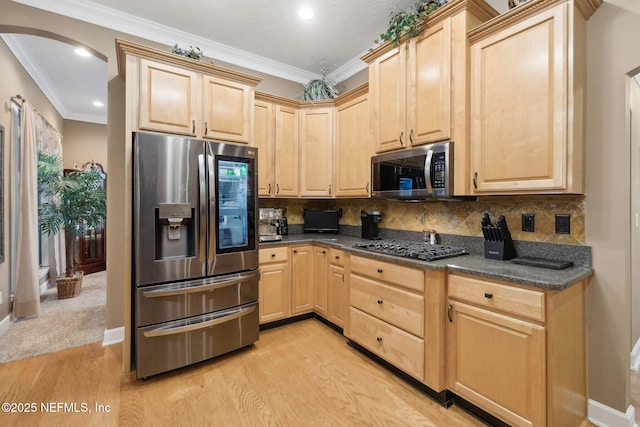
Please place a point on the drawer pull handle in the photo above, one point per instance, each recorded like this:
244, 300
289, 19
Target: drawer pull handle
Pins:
324, 252
379, 270
380, 301
273, 255
449, 313
337, 256
488, 295
379, 339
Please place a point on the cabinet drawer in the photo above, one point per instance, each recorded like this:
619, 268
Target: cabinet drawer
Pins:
268, 255
337, 257
394, 345
509, 299
408, 277
400, 308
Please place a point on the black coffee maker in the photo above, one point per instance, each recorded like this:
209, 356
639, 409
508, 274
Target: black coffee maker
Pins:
370, 221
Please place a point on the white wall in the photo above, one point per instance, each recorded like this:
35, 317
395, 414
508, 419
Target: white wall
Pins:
613, 33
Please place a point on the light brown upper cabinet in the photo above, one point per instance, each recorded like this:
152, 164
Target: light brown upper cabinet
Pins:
527, 99
316, 150
353, 150
178, 95
419, 90
276, 134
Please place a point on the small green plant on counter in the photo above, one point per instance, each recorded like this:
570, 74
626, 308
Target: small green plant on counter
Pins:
408, 23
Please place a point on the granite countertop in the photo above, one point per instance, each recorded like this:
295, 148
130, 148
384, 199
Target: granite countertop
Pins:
474, 263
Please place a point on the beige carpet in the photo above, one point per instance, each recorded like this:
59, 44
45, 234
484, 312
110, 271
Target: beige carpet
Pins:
62, 324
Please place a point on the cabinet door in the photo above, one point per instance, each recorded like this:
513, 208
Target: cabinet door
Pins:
353, 149
429, 103
498, 363
228, 110
316, 152
274, 292
387, 86
519, 106
320, 278
169, 98
301, 279
286, 170
337, 305
264, 140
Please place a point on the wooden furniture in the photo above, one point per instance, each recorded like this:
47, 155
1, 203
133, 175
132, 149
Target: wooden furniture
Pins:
316, 149
532, 142
92, 254
396, 312
517, 352
179, 95
277, 135
320, 280
418, 91
274, 288
338, 291
353, 150
302, 282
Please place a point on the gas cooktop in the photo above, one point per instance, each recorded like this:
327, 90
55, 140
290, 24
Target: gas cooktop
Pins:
409, 249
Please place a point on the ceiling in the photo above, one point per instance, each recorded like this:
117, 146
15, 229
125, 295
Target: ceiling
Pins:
257, 34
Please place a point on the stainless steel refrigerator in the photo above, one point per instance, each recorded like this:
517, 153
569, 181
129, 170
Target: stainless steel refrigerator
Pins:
195, 253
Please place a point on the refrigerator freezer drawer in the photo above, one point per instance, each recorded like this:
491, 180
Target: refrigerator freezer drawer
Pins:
173, 301
172, 345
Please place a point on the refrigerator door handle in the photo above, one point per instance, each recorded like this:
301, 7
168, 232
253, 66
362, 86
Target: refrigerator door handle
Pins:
202, 188
194, 289
161, 332
212, 209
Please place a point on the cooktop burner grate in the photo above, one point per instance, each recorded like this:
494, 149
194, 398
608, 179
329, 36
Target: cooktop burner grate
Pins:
408, 249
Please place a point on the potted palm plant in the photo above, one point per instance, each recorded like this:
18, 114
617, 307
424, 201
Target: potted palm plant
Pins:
73, 202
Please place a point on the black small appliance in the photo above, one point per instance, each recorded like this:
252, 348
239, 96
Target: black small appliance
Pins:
370, 221
284, 226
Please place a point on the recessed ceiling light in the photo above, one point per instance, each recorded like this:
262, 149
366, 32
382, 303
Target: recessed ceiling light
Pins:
82, 52
98, 104
305, 13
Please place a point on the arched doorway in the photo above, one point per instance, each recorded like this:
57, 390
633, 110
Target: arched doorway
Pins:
72, 123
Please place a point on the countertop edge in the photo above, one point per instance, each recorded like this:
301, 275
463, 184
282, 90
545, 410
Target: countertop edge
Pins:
467, 264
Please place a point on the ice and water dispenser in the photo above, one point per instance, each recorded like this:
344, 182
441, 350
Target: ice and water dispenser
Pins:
175, 231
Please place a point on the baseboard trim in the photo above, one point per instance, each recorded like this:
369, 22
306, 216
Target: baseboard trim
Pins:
5, 324
635, 356
113, 336
605, 416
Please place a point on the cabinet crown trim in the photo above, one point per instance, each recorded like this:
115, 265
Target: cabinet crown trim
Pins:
124, 48
532, 7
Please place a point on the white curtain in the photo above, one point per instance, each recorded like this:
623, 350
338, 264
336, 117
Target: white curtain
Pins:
27, 298
37, 135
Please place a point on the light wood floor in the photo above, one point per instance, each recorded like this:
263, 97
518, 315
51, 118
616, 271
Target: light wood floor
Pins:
296, 375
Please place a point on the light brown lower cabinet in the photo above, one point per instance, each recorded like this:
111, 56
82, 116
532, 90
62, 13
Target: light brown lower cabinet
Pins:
338, 291
516, 352
274, 288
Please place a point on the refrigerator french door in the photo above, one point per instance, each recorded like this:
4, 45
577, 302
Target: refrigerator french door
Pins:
195, 254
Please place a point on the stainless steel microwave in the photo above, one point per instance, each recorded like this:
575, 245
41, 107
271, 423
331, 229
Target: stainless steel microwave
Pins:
414, 174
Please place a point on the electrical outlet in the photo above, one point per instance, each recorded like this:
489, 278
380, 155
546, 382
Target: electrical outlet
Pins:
528, 222
563, 224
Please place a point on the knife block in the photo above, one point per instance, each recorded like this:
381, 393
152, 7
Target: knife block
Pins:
500, 250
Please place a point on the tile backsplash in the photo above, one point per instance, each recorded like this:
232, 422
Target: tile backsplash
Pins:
456, 217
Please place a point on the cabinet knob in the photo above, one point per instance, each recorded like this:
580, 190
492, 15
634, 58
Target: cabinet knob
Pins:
337, 256
488, 295
324, 252
379, 339
380, 301
295, 251
379, 270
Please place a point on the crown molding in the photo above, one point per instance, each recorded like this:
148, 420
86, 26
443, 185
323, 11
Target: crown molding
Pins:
110, 18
